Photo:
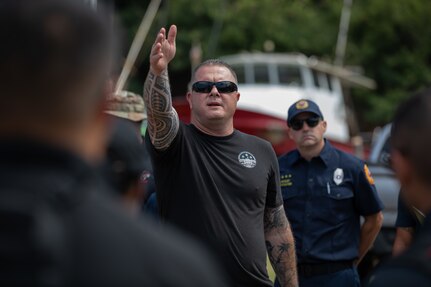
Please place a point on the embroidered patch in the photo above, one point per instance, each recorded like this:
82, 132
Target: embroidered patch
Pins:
286, 180
247, 159
368, 175
338, 176
302, 105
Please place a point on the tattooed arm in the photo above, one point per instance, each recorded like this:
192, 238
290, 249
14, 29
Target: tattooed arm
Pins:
163, 120
280, 246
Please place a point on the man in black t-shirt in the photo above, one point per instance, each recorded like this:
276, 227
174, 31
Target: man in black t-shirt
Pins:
216, 183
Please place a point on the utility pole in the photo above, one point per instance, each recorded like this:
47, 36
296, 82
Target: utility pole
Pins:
137, 43
342, 33
92, 3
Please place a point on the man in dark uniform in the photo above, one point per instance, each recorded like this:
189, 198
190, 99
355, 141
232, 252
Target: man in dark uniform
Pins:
59, 225
411, 160
325, 192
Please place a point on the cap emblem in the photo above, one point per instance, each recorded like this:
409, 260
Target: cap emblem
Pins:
301, 105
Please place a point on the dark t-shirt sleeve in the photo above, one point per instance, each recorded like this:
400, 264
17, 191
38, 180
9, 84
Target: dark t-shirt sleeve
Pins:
274, 197
154, 153
405, 218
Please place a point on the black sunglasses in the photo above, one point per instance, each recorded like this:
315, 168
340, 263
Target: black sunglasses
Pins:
222, 87
297, 124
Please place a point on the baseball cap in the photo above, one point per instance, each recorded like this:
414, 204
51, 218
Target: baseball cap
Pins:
303, 106
126, 105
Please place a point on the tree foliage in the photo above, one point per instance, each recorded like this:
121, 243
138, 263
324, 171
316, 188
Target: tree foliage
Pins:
391, 40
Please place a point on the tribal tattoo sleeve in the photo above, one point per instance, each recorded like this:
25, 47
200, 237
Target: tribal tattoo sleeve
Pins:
280, 246
163, 122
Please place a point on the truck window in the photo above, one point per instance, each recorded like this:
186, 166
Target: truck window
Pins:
316, 79
240, 73
289, 75
261, 75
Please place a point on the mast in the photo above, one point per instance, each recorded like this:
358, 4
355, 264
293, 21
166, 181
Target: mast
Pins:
342, 33
137, 43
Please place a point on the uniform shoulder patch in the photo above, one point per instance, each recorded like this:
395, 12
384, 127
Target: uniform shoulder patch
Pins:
368, 174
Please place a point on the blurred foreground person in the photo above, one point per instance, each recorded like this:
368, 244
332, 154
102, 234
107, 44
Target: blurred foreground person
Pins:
124, 165
128, 108
212, 181
128, 166
325, 193
408, 223
58, 224
411, 160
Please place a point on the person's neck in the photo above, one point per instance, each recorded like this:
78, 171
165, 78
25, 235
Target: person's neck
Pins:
311, 151
215, 129
85, 143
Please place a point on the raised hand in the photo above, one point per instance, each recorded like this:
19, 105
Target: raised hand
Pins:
163, 50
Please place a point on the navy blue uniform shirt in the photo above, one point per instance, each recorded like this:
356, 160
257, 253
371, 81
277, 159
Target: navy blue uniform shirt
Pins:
323, 200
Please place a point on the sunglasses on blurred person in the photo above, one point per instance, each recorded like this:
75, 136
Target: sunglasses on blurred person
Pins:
298, 124
222, 87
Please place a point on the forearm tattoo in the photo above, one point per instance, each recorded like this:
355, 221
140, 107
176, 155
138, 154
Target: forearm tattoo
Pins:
163, 122
280, 246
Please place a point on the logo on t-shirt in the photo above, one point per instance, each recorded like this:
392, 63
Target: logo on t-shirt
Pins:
247, 159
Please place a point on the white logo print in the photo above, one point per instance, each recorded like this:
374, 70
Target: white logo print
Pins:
247, 159
338, 176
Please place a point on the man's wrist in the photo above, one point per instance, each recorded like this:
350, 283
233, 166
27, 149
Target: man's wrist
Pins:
156, 72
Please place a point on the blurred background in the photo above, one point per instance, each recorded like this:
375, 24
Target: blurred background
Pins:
389, 41
357, 59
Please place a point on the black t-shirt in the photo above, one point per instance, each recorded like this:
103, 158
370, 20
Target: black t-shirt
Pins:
411, 268
59, 226
217, 188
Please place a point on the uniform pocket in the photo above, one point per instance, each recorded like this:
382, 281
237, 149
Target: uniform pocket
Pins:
341, 202
340, 193
294, 202
290, 192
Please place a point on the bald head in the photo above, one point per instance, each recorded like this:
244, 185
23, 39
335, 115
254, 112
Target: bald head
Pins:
214, 62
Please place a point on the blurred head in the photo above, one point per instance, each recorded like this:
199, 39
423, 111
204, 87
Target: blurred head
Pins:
306, 124
125, 162
55, 59
411, 141
128, 106
214, 94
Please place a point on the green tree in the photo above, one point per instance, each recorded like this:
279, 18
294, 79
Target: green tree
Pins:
391, 40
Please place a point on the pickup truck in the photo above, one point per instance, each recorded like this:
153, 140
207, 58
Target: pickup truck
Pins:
388, 188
